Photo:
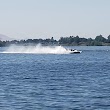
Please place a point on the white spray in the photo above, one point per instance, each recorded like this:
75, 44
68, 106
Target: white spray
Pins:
38, 49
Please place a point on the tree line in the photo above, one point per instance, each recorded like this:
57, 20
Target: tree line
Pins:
67, 41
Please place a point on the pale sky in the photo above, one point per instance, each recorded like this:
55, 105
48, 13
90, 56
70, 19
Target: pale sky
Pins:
54, 18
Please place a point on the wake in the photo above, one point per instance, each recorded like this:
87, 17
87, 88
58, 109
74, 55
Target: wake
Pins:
38, 49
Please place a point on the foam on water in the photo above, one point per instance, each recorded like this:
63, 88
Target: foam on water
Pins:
38, 49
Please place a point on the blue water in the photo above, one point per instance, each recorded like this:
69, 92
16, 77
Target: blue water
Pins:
56, 81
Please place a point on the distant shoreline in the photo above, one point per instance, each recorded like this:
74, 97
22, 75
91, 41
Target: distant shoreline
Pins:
63, 41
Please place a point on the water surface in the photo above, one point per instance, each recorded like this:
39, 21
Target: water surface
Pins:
56, 81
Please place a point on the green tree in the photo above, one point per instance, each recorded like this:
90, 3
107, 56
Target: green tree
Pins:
76, 39
108, 39
100, 38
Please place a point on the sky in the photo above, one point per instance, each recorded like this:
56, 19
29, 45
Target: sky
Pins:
21, 19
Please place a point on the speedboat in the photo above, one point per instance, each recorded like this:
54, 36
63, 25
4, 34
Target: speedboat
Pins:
73, 51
